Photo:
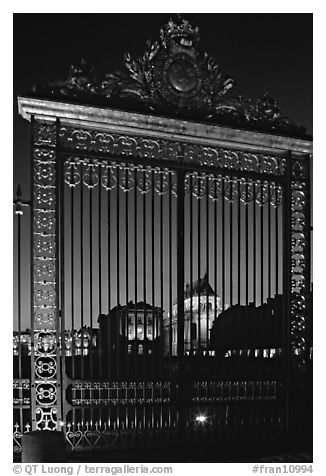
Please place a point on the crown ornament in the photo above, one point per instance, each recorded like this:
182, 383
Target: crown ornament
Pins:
175, 78
172, 77
180, 31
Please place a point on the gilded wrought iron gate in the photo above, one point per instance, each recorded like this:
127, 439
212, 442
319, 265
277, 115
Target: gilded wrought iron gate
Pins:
170, 269
179, 273
174, 291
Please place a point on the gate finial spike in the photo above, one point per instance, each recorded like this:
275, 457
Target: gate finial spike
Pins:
19, 192
18, 202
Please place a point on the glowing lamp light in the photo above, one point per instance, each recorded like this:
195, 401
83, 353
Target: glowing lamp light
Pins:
201, 418
61, 423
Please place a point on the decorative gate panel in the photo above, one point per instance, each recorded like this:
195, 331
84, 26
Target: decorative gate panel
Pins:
45, 354
169, 263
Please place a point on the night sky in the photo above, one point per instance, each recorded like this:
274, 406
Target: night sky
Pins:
263, 52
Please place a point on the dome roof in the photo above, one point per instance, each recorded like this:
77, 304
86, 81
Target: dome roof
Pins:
201, 286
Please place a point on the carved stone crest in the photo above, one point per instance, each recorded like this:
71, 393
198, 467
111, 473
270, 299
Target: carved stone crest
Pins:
174, 77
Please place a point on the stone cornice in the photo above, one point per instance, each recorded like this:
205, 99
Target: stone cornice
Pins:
118, 121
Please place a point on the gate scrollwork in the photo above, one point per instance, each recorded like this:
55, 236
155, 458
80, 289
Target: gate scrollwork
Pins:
216, 176
45, 370
300, 283
145, 148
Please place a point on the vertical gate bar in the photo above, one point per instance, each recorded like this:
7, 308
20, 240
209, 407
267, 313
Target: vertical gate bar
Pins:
262, 244
215, 248
276, 249
162, 280
269, 259
269, 251
170, 274
254, 245
231, 246
243, 321
72, 237
109, 353
82, 266
119, 312
207, 263
21, 411
262, 213
223, 269
100, 337
247, 244
231, 204
90, 204
145, 351
286, 292
223, 242
192, 338
276, 215
90, 355
127, 422
127, 271
198, 261
33, 389
180, 263
19, 297
154, 334
60, 274
180, 300
136, 272
247, 314
99, 241
239, 243
21, 423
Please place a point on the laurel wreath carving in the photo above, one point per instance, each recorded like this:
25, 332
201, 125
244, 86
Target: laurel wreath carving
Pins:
134, 86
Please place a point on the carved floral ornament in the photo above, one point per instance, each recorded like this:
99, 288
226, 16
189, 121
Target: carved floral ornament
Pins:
111, 175
159, 149
173, 77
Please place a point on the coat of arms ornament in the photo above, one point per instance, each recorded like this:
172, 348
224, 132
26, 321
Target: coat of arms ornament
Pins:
174, 77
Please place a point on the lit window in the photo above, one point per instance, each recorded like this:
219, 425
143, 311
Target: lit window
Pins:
140, 332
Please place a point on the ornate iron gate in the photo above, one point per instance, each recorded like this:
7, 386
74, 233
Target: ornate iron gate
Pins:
170, 279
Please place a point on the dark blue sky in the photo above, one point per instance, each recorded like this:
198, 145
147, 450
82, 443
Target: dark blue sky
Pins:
263, 52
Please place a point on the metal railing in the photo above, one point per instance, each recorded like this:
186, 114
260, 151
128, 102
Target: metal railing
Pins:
172, 288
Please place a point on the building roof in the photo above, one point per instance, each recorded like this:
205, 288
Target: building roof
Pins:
201, 286
244, 327
132, 307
